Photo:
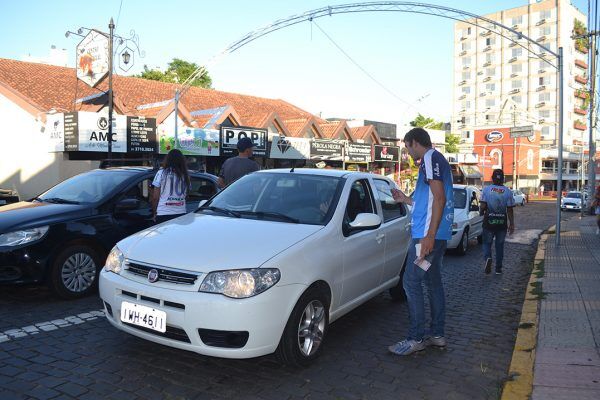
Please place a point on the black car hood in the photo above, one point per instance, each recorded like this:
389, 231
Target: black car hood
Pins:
25, 214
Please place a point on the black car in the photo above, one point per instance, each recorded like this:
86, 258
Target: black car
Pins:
62, 237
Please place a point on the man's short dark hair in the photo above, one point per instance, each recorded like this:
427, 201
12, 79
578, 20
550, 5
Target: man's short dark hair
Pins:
418, 135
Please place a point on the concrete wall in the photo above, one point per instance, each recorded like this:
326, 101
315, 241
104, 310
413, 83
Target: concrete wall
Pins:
25, 163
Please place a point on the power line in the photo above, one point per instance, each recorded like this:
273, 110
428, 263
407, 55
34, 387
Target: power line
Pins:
119, 15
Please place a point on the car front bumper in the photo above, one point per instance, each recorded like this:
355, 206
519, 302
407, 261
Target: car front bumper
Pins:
263, 317
24, 265
571, 207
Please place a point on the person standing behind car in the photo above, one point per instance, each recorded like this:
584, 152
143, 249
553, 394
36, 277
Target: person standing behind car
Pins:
170, 187
236, 167
432, 218
496, 204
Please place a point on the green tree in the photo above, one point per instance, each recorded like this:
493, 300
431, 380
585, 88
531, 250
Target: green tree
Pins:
452, 142
425, 122
177, 72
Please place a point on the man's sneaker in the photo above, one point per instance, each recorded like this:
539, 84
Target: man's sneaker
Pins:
406, 347
437, 341
488, 265
498, 270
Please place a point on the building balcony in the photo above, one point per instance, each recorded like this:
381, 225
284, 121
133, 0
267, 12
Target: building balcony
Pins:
464, 96
462, 53
541, 71
487, 79
580, 94
541, 39
514, 91
581, 64
512, 59
580, 111
463, 38
579, 126
581, 79
514, 75
487, 48
487, 64
540, 22
540, 88
540, 104
512, 44
486, 33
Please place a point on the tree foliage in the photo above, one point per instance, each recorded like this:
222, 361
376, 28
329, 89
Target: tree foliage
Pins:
426, 122
452, 142
177, 72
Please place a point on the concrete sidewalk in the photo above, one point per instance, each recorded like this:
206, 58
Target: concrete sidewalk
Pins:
567, 357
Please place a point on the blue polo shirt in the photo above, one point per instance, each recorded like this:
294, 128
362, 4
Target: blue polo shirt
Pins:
433, 167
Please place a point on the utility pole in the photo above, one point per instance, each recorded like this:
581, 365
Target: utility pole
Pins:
111, 27
514, 179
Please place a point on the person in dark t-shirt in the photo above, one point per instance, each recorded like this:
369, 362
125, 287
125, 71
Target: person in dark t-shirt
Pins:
236, 167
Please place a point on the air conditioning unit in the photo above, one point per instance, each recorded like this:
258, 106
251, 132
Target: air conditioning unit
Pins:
541, 71
514, 91
540, 88
541, 22
466, 67
487, 79
462, 83
512, 44
540, 104
514, 75
462, 53
512, 59
541, 121
515, 26
487, 48
487, 64
480, 73
464, 96
541, 39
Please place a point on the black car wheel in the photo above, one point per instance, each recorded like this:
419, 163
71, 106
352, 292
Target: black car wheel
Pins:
304, 334
75, 271
463, 246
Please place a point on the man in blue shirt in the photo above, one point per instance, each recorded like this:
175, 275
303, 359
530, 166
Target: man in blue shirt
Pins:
497, 204
432, 218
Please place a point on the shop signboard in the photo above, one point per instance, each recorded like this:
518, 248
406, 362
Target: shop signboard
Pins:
93, 132
71, 132
191, 141
55, 132
92, 58
386, 153
358, 152
141, 135
290, 148
326, 150
231, 135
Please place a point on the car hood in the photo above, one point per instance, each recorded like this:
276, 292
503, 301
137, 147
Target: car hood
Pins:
26, 214
204, 243
571, 200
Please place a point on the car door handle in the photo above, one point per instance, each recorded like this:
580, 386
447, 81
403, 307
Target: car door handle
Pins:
379, 237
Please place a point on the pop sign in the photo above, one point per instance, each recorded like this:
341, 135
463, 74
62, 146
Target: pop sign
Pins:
231, 135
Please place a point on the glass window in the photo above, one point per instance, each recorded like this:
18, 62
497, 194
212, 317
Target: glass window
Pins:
544, 97
545, 131
517, 84
489, 57
465, 46
545, 31
202, 189
88, 187
517, 20
490, 87
466, 61
460, 198
489, 41
490, 103
391, 209
140, 192
545, 14
516, 68
359, 200
544, 114
491, 71
517, 99
466, 89
466, 75
517, 52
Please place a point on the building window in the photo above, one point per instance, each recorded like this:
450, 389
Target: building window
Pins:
491, 71
517, 20
489, 58
516, 68
469, 30
517, 84
466, 89
545, 131
545, 31
545, 14
544, 65
544, 114
465, 134
517, 52
544, 97
489, 103
465, 46
466, 75
517, 99
490, 87
517, 36
466, 61
489, 41
541, 81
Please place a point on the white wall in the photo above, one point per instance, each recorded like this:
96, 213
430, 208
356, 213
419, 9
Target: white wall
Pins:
25, 163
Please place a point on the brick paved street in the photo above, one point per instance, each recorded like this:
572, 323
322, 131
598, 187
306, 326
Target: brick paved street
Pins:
84, 357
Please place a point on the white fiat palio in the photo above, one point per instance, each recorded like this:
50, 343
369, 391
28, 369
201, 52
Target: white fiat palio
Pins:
264, 266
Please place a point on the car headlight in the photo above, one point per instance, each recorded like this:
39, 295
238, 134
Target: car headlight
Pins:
114, 261
241, 283
24, 236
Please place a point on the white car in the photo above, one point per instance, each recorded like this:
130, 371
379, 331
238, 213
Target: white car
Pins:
264, 266
572, 201
468, 224
518, 197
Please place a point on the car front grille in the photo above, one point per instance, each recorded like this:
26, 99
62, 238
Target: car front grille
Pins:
164, 274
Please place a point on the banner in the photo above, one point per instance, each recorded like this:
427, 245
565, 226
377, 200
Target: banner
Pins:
231, 135
141, 135
358, 152
55, 132
290, 148
326, 150
387, 153
93, 132
191, 141
71, 132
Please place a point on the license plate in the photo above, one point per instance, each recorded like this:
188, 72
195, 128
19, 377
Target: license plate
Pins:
570, 206
143, 316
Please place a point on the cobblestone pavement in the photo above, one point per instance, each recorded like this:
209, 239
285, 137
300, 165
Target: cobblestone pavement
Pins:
56, 349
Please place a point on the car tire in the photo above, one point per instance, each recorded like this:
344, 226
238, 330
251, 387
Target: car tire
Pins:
296, 347
397, 293
523, 203
74, 272
463, 245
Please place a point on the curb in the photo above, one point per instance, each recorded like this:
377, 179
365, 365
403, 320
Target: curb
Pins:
520, 376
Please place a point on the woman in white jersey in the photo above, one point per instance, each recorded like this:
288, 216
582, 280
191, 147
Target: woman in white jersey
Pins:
171, 185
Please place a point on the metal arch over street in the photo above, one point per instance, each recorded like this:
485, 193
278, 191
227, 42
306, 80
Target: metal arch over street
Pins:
415, 8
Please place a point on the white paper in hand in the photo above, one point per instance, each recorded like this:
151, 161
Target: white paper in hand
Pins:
421, 262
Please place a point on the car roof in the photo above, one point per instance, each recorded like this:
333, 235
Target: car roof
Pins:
320, 172
143, 169
456, 186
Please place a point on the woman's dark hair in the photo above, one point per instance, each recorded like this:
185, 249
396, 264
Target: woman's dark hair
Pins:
498, 177
418, 135
174, 163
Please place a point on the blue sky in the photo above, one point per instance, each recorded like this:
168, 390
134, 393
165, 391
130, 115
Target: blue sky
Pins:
410, 54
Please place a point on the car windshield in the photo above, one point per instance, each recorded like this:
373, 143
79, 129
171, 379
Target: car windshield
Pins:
88, 187
292, 198
460, 198
574, 195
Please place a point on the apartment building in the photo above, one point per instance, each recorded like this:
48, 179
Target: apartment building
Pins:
498, 83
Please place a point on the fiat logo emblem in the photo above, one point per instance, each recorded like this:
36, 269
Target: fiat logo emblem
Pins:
152, 276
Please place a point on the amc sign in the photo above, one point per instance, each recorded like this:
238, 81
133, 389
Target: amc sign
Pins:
494, 136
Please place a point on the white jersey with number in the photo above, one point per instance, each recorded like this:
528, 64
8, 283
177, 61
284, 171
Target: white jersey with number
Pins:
172, 193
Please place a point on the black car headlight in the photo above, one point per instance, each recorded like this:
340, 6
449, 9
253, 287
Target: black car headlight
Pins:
24, 236
241, 283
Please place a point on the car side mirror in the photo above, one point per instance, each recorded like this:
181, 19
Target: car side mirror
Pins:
474, 207
365, 222
127, 205
201, 203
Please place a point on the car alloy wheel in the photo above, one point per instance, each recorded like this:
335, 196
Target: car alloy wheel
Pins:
463, 246
78, 272
311, 328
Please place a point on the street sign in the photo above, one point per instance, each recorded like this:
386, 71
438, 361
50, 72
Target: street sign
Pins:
92, 58
521, 131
